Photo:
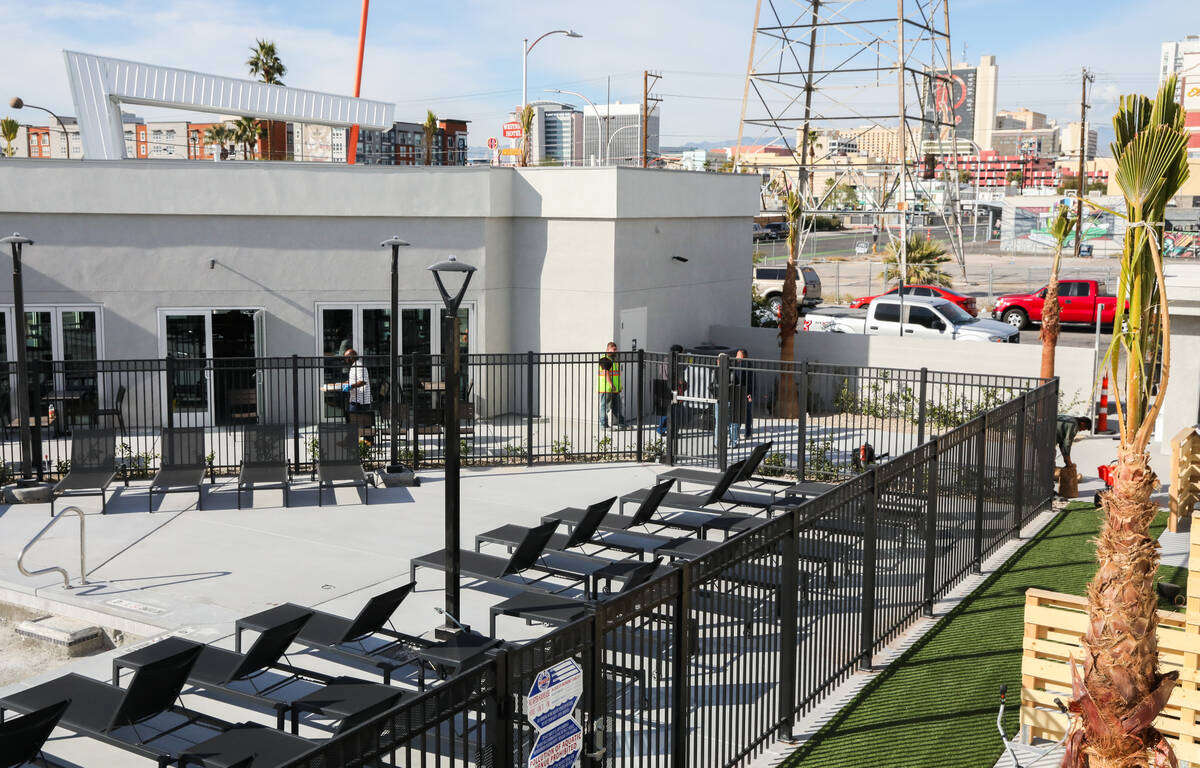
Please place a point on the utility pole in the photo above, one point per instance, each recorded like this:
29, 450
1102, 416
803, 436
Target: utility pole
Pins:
1083, 108
647, 100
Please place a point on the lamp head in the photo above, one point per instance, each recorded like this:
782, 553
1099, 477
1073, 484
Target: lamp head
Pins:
573, 33
16, 103
394, 241
449, 265
16, 238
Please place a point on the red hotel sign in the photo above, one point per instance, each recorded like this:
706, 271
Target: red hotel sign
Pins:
512, 130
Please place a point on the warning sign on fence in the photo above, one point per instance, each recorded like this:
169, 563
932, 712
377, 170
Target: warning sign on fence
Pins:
558, 747
554, 694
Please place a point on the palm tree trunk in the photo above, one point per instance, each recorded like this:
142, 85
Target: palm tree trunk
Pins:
789, 316
1050, 324
1120, 648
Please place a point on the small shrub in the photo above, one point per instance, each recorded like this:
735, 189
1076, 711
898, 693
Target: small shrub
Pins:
561, 447
62, 466
516, 452
137, 465
774, 465
819, 463
653, 451
604, 446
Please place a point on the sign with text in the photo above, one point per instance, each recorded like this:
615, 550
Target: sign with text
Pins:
493, 143
512, 130
513, 151
558, 747
948, 104
554, 694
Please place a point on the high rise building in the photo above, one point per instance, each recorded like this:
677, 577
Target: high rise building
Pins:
1069, 141
1173, 59
1027, 119
987, 78
622, 125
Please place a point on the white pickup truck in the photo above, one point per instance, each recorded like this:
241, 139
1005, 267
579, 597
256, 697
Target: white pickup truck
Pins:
925, 317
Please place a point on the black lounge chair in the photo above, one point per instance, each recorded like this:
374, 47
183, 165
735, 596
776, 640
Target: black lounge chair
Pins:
503, 570
240, 677
264, 459
718, 495
21, 739
93, 466
557, 610
365, 638
182, 464
99, 710
338, 458
698, 476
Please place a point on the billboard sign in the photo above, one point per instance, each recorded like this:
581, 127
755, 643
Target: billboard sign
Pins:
512, 130
948, 103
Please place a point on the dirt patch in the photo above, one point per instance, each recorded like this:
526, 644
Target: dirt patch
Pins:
21, 657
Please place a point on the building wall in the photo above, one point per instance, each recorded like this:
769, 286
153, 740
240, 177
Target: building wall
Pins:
1072, 364
559, 251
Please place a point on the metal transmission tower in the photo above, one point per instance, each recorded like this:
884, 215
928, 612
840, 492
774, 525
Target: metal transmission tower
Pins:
855, 77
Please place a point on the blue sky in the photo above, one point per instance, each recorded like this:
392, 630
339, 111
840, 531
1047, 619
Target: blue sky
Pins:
463, 59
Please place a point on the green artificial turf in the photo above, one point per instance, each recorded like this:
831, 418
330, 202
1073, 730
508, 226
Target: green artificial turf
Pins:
937, 705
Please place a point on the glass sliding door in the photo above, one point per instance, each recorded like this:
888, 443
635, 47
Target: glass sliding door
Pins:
185, 338
80, 351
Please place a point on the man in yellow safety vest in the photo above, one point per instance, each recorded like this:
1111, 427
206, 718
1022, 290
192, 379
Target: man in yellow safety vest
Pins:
608, 385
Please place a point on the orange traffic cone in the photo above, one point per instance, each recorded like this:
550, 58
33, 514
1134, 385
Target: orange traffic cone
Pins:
1102, 417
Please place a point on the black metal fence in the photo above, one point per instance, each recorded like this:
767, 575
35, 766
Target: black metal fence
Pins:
709, 663
516, 409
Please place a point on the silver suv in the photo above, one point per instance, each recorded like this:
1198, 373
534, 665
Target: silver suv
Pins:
768, 281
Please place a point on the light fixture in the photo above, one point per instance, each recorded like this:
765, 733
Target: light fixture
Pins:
451, 264
680, 259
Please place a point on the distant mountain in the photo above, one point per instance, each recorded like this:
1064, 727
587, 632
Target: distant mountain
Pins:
701, 145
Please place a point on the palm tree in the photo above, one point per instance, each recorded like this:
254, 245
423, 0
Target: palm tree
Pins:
1122, 690
1060, 229
430, 129
9, 129
923, 260
789, 315
526, 117
220, 136
245, 132
265, 64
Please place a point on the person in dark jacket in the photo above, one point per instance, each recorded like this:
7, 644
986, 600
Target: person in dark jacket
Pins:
1067, 427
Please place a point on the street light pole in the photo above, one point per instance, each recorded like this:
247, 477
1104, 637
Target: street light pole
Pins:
599, 132
17, 103
394, 353
16, 242
608, 147
526, 47
451, 366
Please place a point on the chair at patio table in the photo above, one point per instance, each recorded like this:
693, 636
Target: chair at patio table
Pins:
114, 411
93, 466
264, 459
182, 464
338, 459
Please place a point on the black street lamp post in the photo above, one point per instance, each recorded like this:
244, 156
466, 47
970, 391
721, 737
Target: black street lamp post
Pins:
394, 353
17, 102
451, 365
17, 242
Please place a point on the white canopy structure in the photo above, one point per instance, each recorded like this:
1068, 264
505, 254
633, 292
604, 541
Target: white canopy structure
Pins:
100, 85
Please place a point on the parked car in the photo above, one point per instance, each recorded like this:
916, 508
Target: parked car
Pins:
966, 302
768, 281
1077, 303
779, 229
762, 233
924, 317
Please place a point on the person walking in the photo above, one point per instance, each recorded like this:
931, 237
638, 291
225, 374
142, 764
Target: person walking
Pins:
743, 377
741, 382
358, 384
608, 386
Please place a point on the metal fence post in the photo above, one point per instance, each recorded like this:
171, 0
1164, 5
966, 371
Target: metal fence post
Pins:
39, 369
721, 422
789, 620
802, 425
529, 371
931, 509
867, 620
1019, 469
296, 415
641, 390
595, 711
681, 696
980, 489
170, 368
498, 715
921, 411
672, 407
412, 415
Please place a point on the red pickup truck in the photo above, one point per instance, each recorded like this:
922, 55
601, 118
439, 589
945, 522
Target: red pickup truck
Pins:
1077, 302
